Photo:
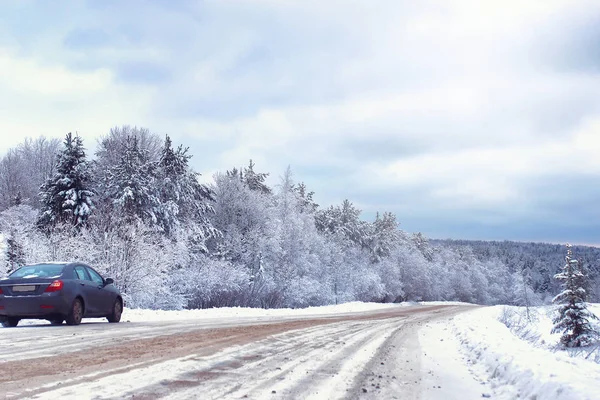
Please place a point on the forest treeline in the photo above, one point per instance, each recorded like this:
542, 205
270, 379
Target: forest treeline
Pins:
137, 212
539, 262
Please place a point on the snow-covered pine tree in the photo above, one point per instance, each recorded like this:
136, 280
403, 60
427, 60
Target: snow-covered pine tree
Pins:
15, 256
182, 197
583, 281
171, 168
573, 319
306, 202
18, 199
255, 180
66, 197
130, 185
236, 173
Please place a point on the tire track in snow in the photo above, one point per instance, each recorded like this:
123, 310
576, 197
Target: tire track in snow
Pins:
302, 373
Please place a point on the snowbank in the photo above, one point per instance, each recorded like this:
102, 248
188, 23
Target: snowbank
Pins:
537, 330
516, 368
444, 303
143, 315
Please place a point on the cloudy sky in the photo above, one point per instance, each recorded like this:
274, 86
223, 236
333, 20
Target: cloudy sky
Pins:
468, 119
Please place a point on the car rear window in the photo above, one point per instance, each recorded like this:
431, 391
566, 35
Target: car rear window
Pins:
38, 271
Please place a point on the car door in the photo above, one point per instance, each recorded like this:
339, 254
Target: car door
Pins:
104, 297
88, 289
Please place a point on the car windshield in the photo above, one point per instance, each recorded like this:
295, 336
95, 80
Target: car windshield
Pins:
38, 271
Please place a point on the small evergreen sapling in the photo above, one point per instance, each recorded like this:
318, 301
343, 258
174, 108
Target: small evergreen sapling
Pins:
15, 256
573, 320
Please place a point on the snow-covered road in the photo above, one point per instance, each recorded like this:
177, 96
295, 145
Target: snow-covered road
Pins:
379, 353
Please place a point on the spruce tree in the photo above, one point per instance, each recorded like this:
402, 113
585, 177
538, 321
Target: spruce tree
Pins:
66, 196
182, 197
18, 199
305, 198
255, 180
131, 185
15, 256
573, 319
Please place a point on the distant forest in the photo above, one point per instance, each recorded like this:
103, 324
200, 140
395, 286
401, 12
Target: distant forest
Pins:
137, 212
538, 261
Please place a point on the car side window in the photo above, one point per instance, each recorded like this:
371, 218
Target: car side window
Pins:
81, 273
95, 276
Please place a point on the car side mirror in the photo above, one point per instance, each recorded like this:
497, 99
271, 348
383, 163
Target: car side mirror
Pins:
108, 281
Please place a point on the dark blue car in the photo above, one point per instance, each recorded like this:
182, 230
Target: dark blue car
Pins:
58, 292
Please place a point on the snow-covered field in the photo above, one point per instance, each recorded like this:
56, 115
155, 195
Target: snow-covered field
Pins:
524, 362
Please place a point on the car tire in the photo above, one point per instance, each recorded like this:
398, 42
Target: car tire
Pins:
76, 313
56, 322
117, 311
10, 322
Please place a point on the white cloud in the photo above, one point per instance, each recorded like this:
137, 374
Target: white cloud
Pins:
52, 100
492, 176
25, 77
464, 91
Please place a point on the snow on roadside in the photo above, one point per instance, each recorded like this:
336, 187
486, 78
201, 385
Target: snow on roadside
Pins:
537, 329
516, 368
444, 303
143, 315
444, 370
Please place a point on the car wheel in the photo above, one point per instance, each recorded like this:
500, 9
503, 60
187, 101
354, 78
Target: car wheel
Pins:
56, 322
76, 313
10, 322
117, 310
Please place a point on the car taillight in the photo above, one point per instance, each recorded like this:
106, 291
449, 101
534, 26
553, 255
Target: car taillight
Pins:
54, 286
1, 290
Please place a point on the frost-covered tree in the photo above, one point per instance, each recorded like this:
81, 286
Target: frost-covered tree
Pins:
573, 319
18, 224
383, 237
12, 177
66, 197
39, 164
423, 245
413, 273
242, 216
523, 294
344, 219
293, 250
112, 147
502, 285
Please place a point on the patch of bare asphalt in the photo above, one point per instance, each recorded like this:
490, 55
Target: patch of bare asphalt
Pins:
66, 369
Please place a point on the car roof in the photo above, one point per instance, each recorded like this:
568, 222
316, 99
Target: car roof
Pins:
63, 263
50, 262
